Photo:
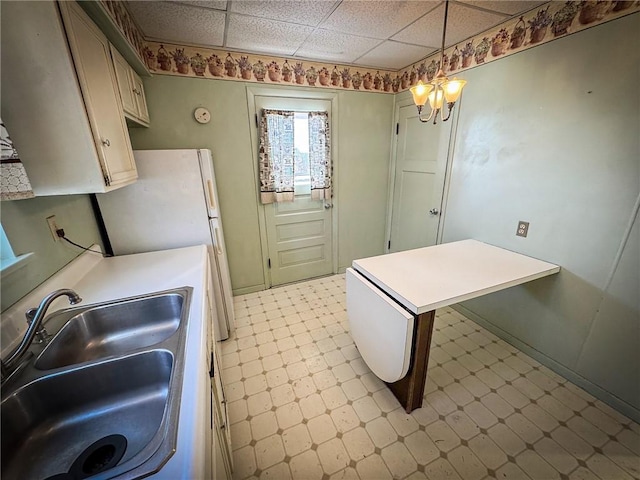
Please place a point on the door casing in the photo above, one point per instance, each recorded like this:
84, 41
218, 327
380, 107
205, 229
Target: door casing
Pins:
279, 97
403, 102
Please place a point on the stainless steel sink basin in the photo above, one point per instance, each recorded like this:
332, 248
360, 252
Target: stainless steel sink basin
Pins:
102, 399
49, 423
114, 329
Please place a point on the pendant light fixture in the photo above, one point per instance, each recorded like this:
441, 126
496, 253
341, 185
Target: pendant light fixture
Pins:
440, 89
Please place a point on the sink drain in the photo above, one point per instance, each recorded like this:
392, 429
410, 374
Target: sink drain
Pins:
99, 457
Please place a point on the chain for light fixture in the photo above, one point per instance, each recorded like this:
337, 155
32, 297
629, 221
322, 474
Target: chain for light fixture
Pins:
440, 89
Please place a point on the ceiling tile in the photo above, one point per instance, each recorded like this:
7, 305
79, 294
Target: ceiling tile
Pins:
174, 22
393, 55
267, 36
305, 12
377, 19
335, 47
216, 4
510, 7
463, 22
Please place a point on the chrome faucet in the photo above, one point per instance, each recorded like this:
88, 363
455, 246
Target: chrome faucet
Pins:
34, 319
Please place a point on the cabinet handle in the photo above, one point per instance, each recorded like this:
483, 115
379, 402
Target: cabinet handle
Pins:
211, 194
212, 372
136, 91
106, 142
217, 245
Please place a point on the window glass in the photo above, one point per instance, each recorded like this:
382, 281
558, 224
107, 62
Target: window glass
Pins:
302, 178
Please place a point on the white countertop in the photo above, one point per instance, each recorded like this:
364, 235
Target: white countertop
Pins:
99, 279
425, 279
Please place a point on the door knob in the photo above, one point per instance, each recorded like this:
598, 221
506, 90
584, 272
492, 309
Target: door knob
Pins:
328, 205
434, 211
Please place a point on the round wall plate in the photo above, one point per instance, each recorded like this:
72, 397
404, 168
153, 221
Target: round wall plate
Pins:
202, 115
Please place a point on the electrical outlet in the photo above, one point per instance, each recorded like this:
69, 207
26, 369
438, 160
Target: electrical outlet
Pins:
523, 229
53, 227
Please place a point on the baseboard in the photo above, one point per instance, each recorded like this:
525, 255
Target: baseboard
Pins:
595, 390
251, 289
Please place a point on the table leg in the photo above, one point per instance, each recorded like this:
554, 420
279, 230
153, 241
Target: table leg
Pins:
410, 389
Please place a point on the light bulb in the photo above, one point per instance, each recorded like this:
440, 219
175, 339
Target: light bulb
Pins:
436, 98
420, 93
453, 89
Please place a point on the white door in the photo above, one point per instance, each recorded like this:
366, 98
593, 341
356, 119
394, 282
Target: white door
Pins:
421, 159
299, 233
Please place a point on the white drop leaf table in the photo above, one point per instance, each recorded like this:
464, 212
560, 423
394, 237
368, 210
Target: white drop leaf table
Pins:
392, 299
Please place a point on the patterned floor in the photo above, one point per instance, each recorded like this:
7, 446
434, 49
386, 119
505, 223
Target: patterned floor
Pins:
303, 404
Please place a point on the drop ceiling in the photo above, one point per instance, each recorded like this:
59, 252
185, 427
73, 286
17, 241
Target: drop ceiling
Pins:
380, 34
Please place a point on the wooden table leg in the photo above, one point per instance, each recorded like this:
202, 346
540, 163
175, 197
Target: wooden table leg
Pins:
410, 389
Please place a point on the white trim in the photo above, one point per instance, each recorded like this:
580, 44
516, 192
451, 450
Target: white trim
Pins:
11, 265
405, 102
392, 165
448, 167
294, 94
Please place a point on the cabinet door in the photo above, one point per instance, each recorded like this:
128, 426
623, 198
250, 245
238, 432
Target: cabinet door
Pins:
129, 101
220, 406
92, 59
141, 102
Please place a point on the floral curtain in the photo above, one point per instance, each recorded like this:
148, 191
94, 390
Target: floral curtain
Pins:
320, 155
276, 156
14, 183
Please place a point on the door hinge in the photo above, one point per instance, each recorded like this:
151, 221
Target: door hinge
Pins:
256, 115
268, 262
389, 245
107, 180
397, 128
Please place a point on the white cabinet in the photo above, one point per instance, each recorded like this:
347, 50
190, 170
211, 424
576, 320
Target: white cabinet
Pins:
222, 459
60, 100
131, 90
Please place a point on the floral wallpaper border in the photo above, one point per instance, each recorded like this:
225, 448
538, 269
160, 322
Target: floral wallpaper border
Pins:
546, 23
125, 23
171, 59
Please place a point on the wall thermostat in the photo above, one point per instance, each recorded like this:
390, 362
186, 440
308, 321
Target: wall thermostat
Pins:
202, 115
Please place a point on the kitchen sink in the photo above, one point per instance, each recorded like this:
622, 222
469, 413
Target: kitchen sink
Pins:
102, 399
112, 329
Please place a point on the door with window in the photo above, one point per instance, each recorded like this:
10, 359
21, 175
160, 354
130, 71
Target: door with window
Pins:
299, 223
421, 159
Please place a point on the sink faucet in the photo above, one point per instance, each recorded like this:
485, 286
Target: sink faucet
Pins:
34, 318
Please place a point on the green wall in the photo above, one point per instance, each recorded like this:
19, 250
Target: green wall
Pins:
362, 163
550, 136
24, 222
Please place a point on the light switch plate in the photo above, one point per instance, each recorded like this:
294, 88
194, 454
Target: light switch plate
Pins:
523, 229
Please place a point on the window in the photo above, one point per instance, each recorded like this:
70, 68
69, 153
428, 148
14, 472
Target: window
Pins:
294, 155
9, 262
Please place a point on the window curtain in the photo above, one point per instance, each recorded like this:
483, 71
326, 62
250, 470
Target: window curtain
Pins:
276, 156
14, 183
320, 155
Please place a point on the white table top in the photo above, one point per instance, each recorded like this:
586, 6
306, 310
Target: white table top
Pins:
425, 279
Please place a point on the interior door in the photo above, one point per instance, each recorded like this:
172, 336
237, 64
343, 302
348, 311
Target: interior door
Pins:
299, 233
421, 159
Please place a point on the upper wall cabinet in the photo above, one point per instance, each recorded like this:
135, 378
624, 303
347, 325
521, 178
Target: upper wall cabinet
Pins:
131, 90
60, 100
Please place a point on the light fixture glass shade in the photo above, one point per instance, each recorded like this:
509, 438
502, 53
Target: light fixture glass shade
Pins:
420, 93
436, 98
453, 89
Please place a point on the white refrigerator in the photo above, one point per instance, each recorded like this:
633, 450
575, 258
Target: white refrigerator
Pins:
173, 204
